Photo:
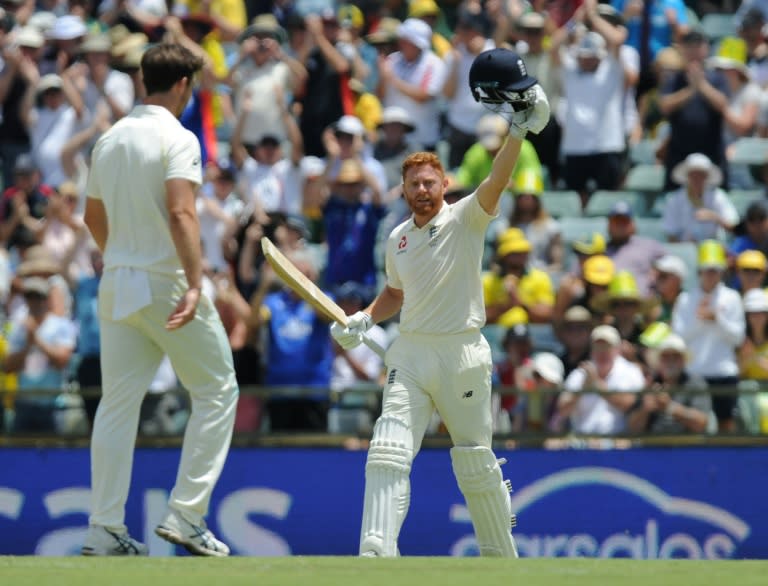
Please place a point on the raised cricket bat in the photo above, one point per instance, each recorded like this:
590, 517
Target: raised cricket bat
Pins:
307, 290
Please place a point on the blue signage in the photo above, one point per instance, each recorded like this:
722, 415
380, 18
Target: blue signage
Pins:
639, 503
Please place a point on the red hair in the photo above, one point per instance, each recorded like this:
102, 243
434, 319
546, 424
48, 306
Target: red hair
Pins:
423, 158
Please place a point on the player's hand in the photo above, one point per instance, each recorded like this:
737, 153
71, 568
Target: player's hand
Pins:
534, 118
185, 310
352, 335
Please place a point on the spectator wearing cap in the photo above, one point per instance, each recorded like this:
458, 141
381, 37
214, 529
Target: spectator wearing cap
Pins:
750, 33
429, 12
699, 209
351, 218
669, 409
585, 246
541, 229
40, 345
744, 99
490, 132
218, 208
463, 112
547, 371
394, 143
754, 231
652, 26
530, 28
65, 36
626, 310
346, 139
693, 100
324, 97
710, 319
606, 370
23, 204
593, 120
261, 66
102, 83
37, 261
16, 71
53, 112
267, 178
573, 332
751, 271
670, 274
413, 78
515, 292
753, 353
384, 37
596, 273
629, 251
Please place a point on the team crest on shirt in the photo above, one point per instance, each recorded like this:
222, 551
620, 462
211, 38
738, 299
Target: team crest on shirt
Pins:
401, 246
434, 237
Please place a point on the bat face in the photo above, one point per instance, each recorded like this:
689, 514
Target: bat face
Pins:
300, 284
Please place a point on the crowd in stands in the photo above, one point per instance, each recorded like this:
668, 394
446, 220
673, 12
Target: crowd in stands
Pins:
628, 255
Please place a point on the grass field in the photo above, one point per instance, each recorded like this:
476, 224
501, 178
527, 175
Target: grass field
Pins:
340, 571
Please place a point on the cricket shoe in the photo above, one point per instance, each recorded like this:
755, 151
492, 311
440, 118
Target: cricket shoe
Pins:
196, 539
103, 541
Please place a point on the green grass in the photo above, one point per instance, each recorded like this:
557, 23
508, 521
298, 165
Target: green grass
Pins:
338, 571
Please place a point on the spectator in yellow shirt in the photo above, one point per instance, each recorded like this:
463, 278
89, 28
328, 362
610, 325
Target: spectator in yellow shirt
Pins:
515, 292
229, 15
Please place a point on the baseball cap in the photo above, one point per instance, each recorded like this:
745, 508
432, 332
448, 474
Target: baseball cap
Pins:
50, 81
592, 44
756, 300
491, 130
511, 241
517, 333
350, 125
419, 8
29, 36
417, 32
577, 314
549, 367
24, 164
311, 166
621, 208
654, 334
607, 334
36, 285
711, 255
674, 343
67, 27
589, 244
397, 115
598, 269
674, 265
751, 259
350, 15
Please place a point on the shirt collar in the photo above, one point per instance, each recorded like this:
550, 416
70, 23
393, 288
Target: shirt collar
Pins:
440, 219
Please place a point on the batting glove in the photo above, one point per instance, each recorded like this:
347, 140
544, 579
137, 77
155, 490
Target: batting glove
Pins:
352, 335
534, 118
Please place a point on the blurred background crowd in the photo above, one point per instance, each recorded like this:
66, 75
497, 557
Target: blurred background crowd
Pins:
629, 253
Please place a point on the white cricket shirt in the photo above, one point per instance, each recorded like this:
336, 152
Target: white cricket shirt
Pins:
130, 164
438, 268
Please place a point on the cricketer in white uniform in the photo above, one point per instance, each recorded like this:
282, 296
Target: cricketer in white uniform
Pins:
440, 359
141, 211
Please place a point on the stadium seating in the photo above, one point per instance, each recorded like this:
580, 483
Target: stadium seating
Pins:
575, 228
750, 150
687, 252
650, 228
494, 333
741, 198
643, 152
562, 204
717, 26
645, 178
601, 202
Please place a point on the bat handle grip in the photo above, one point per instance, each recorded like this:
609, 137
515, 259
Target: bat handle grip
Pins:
373, 345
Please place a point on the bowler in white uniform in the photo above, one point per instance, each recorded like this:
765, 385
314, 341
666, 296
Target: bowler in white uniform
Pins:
440, 360
141, 211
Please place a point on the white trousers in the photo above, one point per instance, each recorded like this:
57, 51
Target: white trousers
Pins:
131, 351
449, 373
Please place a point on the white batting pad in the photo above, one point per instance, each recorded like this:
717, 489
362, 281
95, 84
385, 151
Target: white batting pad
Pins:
387, 487
487, 494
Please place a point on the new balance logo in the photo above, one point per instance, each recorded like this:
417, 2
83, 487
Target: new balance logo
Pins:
391, 377
467, 395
